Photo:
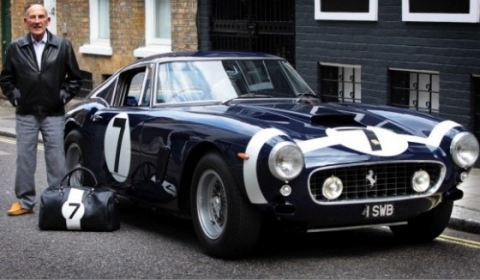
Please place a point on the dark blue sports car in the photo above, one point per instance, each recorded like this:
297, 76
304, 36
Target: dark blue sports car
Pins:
238, 140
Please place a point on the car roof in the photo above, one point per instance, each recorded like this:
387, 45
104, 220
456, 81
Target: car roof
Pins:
207, 54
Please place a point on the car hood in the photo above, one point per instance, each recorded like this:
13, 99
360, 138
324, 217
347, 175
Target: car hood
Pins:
351, 132
305, 121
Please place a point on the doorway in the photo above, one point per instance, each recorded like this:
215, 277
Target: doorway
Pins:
252, 25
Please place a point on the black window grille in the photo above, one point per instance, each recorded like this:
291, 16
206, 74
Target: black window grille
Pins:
340, 84
415, 90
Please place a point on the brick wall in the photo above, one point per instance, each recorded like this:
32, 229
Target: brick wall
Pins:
184, 25
127, 25
453, 49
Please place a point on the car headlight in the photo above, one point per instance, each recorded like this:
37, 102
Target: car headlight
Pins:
464, 149
286, 161
421, 181
332, 187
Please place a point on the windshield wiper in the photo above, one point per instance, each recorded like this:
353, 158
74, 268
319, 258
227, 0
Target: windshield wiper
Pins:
246, 95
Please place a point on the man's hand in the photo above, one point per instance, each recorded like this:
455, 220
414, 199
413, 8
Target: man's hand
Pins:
13, 97
65, 96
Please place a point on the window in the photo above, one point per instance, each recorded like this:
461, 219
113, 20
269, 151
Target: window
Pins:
340, 83
346, 9
158, 28
415, 90
133, 88
441, 10
99, 29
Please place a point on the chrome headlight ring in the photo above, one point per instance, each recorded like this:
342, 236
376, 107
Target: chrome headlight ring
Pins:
286, 161
464, 149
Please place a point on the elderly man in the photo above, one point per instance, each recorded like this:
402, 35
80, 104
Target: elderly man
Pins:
40, 74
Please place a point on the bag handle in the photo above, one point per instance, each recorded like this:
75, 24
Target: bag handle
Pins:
78, 167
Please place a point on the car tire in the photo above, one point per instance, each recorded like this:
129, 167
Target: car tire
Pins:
74, 155
427, 226
226, 224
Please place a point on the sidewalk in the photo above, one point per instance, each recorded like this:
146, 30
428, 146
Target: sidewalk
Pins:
465, 216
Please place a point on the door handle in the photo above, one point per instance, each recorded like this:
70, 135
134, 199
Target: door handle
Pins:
95, 118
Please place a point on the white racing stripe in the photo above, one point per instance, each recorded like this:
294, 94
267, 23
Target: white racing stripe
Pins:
392, 144
439, 131
73, 209
250, 166
117, 145
317, 143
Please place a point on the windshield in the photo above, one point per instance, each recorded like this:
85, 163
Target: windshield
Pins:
183, 81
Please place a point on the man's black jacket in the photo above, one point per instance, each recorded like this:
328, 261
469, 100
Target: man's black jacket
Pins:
40, 90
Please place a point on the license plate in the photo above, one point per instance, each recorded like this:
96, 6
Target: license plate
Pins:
378, 210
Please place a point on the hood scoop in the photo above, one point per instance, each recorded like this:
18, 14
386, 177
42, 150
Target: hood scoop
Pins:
335, 120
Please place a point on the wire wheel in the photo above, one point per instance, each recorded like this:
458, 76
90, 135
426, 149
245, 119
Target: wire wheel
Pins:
212, 204
225, 222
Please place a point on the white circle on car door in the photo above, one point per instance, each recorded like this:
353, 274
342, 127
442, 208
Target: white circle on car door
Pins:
118, 147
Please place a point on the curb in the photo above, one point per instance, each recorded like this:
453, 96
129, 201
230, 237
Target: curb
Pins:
8, 134
464, 219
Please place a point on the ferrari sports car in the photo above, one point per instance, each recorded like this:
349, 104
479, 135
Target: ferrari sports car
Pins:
236, 141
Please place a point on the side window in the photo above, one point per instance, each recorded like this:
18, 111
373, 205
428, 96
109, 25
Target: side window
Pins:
146, 92
135, 90
106, 90
131, 88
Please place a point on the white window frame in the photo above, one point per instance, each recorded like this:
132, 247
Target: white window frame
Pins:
153, 45
372, 15
97, 46
473, 16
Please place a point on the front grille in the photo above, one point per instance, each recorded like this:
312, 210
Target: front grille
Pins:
393, 180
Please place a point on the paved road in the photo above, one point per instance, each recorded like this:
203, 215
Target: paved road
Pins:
152, 245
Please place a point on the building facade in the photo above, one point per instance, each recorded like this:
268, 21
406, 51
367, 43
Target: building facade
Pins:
406, 53
109, 34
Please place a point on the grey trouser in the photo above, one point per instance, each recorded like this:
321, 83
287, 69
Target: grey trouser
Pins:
28, 128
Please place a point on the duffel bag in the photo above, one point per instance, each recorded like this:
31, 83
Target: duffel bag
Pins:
86, 208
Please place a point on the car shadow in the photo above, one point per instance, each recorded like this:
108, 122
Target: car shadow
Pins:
156, 222
272, 245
